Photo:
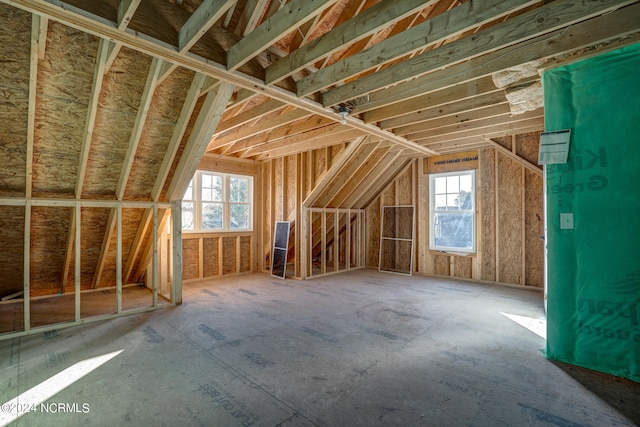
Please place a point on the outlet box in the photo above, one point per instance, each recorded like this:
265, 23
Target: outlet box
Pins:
566, 221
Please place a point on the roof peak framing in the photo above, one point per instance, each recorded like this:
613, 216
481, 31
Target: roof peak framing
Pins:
98, 26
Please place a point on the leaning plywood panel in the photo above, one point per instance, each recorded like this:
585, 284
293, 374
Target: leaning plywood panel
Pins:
12, 249
49, 228
487, 220
117, 109
164, 111
510, 211
15, 30
65, 76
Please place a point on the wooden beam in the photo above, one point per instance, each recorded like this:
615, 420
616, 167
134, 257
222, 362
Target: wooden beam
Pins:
380, 181
112, 53
26, 267
528, 165
504, 128
429, 33
465, 116
176, 137
338, 180
201, 21
269, 123
467, 90
165, 72
69, 253
212, 109
98, 79
336, 165
356, 179
279, 133
360, 26
486, 124
584, 34
457, 107
545, 19
309, 138
612, 25
136, 133
252, 13
250, 115
106, 240
143, 226
38, 43
126, 10
274, 28
323, 141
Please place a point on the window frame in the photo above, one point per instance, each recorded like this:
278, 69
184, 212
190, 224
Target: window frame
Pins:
433, 211
198, 202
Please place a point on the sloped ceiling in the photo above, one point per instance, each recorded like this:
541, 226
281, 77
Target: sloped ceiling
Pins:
428, 77
118, 100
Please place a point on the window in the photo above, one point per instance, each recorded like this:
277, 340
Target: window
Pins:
452, 211
218, 202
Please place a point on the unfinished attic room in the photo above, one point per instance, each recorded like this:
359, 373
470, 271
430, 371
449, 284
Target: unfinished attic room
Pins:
320, 213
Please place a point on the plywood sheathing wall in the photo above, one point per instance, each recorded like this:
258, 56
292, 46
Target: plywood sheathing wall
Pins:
509, 218
181, 147
65, 76
286, 183
15, 45
117, 109
161, 120
11, 249
48, 248
92, 231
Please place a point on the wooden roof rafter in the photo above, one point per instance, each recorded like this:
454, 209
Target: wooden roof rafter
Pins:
275, 133
273, 28
360, 26
545, 47
546, 19
80, 19
249, 135
39, 27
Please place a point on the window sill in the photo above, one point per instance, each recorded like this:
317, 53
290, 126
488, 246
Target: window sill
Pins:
452, 253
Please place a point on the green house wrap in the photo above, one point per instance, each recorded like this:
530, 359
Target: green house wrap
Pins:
593, 275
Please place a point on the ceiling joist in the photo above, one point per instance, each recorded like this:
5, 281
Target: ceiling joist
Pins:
545, 19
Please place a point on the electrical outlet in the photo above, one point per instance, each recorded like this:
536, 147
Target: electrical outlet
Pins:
566, 221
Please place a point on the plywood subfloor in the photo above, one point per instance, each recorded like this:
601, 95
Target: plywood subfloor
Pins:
355, 349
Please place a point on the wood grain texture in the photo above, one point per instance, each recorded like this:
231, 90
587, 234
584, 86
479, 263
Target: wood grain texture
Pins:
15, 30
164, 111
510, 211
210, 256
487, 194
65, 78
117, 109
12, 223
